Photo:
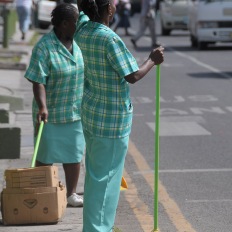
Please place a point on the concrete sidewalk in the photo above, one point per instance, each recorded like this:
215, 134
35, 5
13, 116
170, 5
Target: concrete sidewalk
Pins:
13, 84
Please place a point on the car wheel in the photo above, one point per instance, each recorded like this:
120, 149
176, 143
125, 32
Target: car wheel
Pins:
193, 41
43, 25
165, 31
202, 45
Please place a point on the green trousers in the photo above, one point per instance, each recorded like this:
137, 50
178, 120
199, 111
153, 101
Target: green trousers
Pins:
105, 159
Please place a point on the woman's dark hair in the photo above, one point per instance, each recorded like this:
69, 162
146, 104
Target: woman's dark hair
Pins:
94, 8
63, 11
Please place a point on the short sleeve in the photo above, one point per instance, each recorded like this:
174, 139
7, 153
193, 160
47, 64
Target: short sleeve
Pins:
120, 58
38, 70
82, 20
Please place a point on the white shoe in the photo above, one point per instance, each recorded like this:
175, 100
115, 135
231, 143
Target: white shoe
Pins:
75, 200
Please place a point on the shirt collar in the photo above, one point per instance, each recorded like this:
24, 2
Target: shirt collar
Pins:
97, 25
61, 48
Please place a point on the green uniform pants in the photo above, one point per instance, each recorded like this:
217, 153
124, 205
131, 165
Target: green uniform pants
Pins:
105, 159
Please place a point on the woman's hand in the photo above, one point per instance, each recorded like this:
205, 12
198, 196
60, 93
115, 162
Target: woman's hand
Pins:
42, 115
40, 97
157, 55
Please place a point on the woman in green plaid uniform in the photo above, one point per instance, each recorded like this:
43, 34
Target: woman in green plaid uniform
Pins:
106, 109
56, 71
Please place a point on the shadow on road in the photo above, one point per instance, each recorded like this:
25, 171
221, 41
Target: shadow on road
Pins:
222, 75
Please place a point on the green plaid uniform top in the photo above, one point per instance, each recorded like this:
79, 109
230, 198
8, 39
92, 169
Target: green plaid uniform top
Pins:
63, 76
106, 105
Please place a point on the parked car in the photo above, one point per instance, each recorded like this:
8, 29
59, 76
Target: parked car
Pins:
44, 9
173, 15
210, 21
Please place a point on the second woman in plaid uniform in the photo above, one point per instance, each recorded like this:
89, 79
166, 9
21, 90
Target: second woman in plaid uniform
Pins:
106, 109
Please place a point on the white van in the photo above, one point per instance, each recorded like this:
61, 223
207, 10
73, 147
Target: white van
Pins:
173, 15
45, 8
210, 21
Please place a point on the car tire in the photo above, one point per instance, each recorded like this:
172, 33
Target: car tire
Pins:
193, 41
43, 25
165, 31
202, 45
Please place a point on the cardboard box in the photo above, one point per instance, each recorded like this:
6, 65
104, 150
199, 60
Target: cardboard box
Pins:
45, 176
33, 205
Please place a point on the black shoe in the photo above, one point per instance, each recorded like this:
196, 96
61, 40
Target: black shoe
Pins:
23, 36
133, 42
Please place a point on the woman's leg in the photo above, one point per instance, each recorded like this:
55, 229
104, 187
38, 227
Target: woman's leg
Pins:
24, 16
104, 168
142, 29
151, 25
20, 13
72, 172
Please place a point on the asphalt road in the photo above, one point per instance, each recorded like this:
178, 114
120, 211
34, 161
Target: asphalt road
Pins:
195, 137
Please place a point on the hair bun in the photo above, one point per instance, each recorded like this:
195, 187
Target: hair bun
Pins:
91, 3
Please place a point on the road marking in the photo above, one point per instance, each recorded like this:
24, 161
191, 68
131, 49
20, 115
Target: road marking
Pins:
208, 201
174, 213
138, 115
144, 172
198, 111
200, 63
194, 110
198, 119
179, 128
142, 100
140, 210
196, 170
175, 99
191, 98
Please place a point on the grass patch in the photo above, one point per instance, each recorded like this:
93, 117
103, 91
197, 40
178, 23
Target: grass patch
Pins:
115, 229
12, 59
34, 39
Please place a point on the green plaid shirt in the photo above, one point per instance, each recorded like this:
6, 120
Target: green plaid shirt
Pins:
106, 105
62, 74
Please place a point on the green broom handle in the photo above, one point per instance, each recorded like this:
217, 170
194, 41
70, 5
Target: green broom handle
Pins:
37, 144
156, 166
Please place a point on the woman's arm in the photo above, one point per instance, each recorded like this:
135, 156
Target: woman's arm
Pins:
40, 97
156, 57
